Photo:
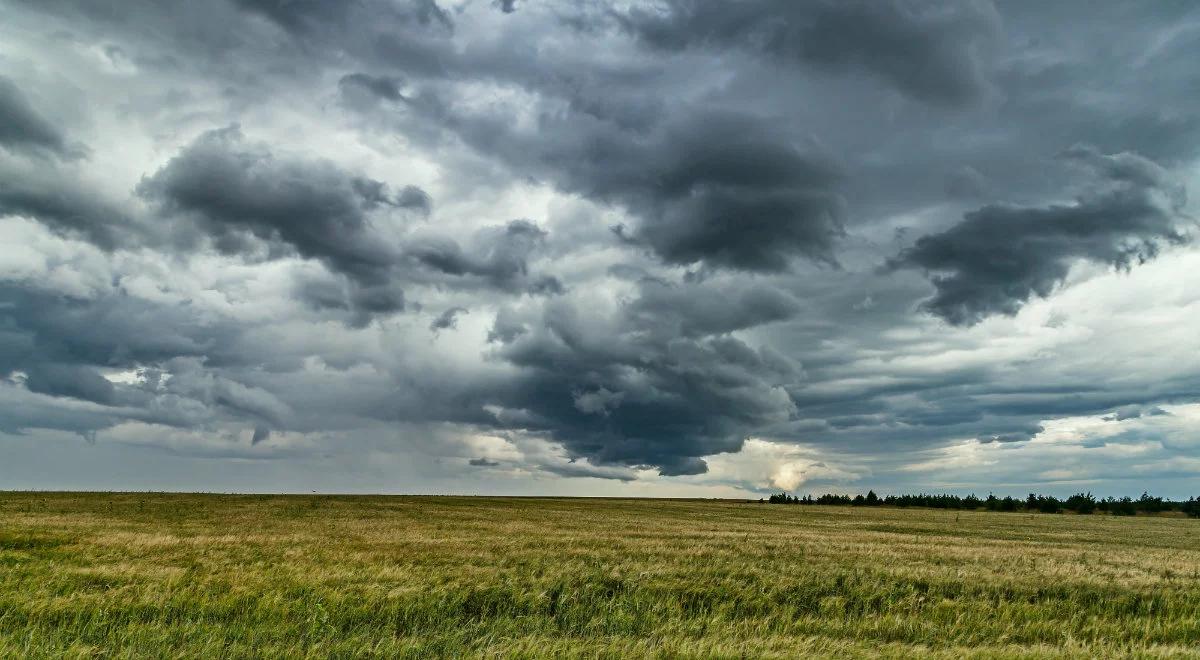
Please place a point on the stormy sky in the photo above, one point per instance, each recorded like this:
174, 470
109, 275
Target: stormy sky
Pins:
671, 247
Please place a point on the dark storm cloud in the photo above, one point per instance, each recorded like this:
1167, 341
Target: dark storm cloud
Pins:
651, 390
999, 256
723, 188
720, 189
739, 198
22, 128
237, 190
931, 50
240, 193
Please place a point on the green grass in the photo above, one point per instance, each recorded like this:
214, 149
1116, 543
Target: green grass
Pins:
137, 575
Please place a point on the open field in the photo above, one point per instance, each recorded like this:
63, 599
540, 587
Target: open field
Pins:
151, 575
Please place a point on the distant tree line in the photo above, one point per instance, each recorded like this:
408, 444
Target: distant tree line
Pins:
1084, 503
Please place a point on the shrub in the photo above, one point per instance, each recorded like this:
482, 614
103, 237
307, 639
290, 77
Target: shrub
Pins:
1151, 504
1191, 507
1081, 503
1122, 507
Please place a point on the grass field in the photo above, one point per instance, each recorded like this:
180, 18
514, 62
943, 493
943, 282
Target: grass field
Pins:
235, 576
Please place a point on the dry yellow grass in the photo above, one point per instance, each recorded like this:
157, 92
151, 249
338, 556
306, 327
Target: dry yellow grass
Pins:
134, 575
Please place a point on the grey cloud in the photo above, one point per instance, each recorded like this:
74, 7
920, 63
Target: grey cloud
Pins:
413, 198
71, 381
498, 257
410, 36
22, 410
966, 183
1017, 435
111, 330
298, 15
506, 327
305, 17
61, 344
22, 128
482, 462
722, 189
1135, 411
54, 196
250, 401
447, 320
693, 310
375, 194
381, 86
360, 303
585, 470
932, 50
261, 433
597, 402
1000, 256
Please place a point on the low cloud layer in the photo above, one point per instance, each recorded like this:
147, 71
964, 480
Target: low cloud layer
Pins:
678, 247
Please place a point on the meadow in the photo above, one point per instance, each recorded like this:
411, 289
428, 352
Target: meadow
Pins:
151, 575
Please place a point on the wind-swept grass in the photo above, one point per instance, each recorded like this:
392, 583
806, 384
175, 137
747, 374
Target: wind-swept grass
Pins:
233, 576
